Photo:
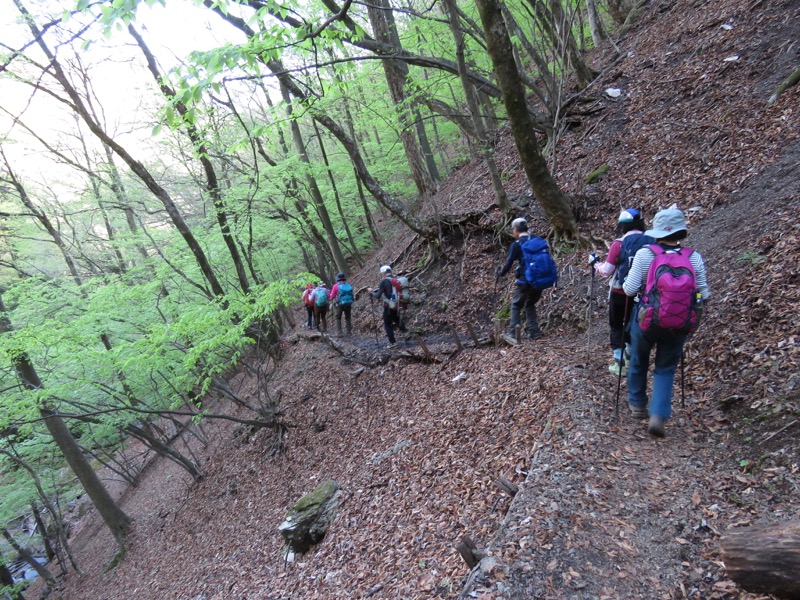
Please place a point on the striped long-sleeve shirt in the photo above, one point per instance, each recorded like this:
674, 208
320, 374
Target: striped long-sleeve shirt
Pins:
637, 276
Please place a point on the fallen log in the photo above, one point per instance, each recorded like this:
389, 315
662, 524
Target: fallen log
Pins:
764, 558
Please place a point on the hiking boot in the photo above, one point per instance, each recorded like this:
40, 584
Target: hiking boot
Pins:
616, 367
392, 346
638, 412
535, 336
656, 426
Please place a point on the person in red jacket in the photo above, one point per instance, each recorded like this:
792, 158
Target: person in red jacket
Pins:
308, 302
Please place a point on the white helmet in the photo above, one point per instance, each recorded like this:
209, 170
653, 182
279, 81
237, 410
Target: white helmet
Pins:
386, 269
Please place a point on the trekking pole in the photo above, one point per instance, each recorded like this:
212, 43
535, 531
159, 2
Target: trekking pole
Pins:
683, 387
589, 314
622, 362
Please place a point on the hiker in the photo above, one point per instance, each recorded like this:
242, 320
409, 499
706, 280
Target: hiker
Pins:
528, 289
321, 299
616, 266
342, 294
405, 298
389, 291
308, 302
671, 287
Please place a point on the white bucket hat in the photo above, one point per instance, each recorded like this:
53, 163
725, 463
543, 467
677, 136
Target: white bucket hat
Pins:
667, 222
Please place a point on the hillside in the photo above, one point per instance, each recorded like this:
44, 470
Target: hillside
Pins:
604, 511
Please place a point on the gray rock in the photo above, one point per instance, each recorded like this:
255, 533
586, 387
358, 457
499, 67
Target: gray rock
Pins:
307, 521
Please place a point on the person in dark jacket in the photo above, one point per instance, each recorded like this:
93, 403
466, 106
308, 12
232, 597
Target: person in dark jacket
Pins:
525, 297
391, 315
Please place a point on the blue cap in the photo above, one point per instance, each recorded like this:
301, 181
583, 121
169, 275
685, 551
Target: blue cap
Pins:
628, 215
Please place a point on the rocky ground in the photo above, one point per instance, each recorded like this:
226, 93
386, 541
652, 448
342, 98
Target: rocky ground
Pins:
604, 510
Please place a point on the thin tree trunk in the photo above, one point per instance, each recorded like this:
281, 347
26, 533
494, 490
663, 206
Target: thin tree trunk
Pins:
555, 203
55, 515
419, 124
316, 194
115, 518
201, 151
25, 555
549, 94
164, 450
367, 214
396, 84
345, 224
385, 199
48, 547
595, 23
137, 167
563, 25
472, 104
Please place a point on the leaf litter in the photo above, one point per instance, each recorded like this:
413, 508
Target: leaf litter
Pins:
603, 510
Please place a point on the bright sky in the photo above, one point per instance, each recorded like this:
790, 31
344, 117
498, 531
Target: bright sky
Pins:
117, 75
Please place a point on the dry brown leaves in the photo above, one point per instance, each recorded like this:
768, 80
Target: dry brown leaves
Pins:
604, 511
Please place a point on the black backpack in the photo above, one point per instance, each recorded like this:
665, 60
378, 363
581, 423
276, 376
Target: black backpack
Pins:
630, 246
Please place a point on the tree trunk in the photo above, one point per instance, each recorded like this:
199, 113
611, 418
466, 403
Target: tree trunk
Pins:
595, 23
201, 151
345, 224
396, 73
367, 213
548, 95
25, 555
316, 194
472, 103
385, 199
555, 203
117, 521
563, 24
764, 558
135, 166
419, 124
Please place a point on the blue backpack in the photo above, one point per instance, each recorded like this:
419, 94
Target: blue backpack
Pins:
321, 297
345, 294
540, 268
631, 244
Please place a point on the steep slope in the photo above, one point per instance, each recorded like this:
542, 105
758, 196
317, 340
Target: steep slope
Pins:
604, 510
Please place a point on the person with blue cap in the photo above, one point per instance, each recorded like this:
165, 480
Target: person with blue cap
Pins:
616, 265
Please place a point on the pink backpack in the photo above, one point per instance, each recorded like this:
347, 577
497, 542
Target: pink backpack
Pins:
671, 302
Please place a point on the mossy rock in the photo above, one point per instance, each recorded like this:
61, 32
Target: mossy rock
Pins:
308, 519
597, 174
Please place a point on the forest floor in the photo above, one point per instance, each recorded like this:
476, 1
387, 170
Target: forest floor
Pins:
604, 510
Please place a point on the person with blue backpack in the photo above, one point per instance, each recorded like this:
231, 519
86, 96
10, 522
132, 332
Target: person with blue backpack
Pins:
670, 285
342, 293
630, 226
535, 272
321, 300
